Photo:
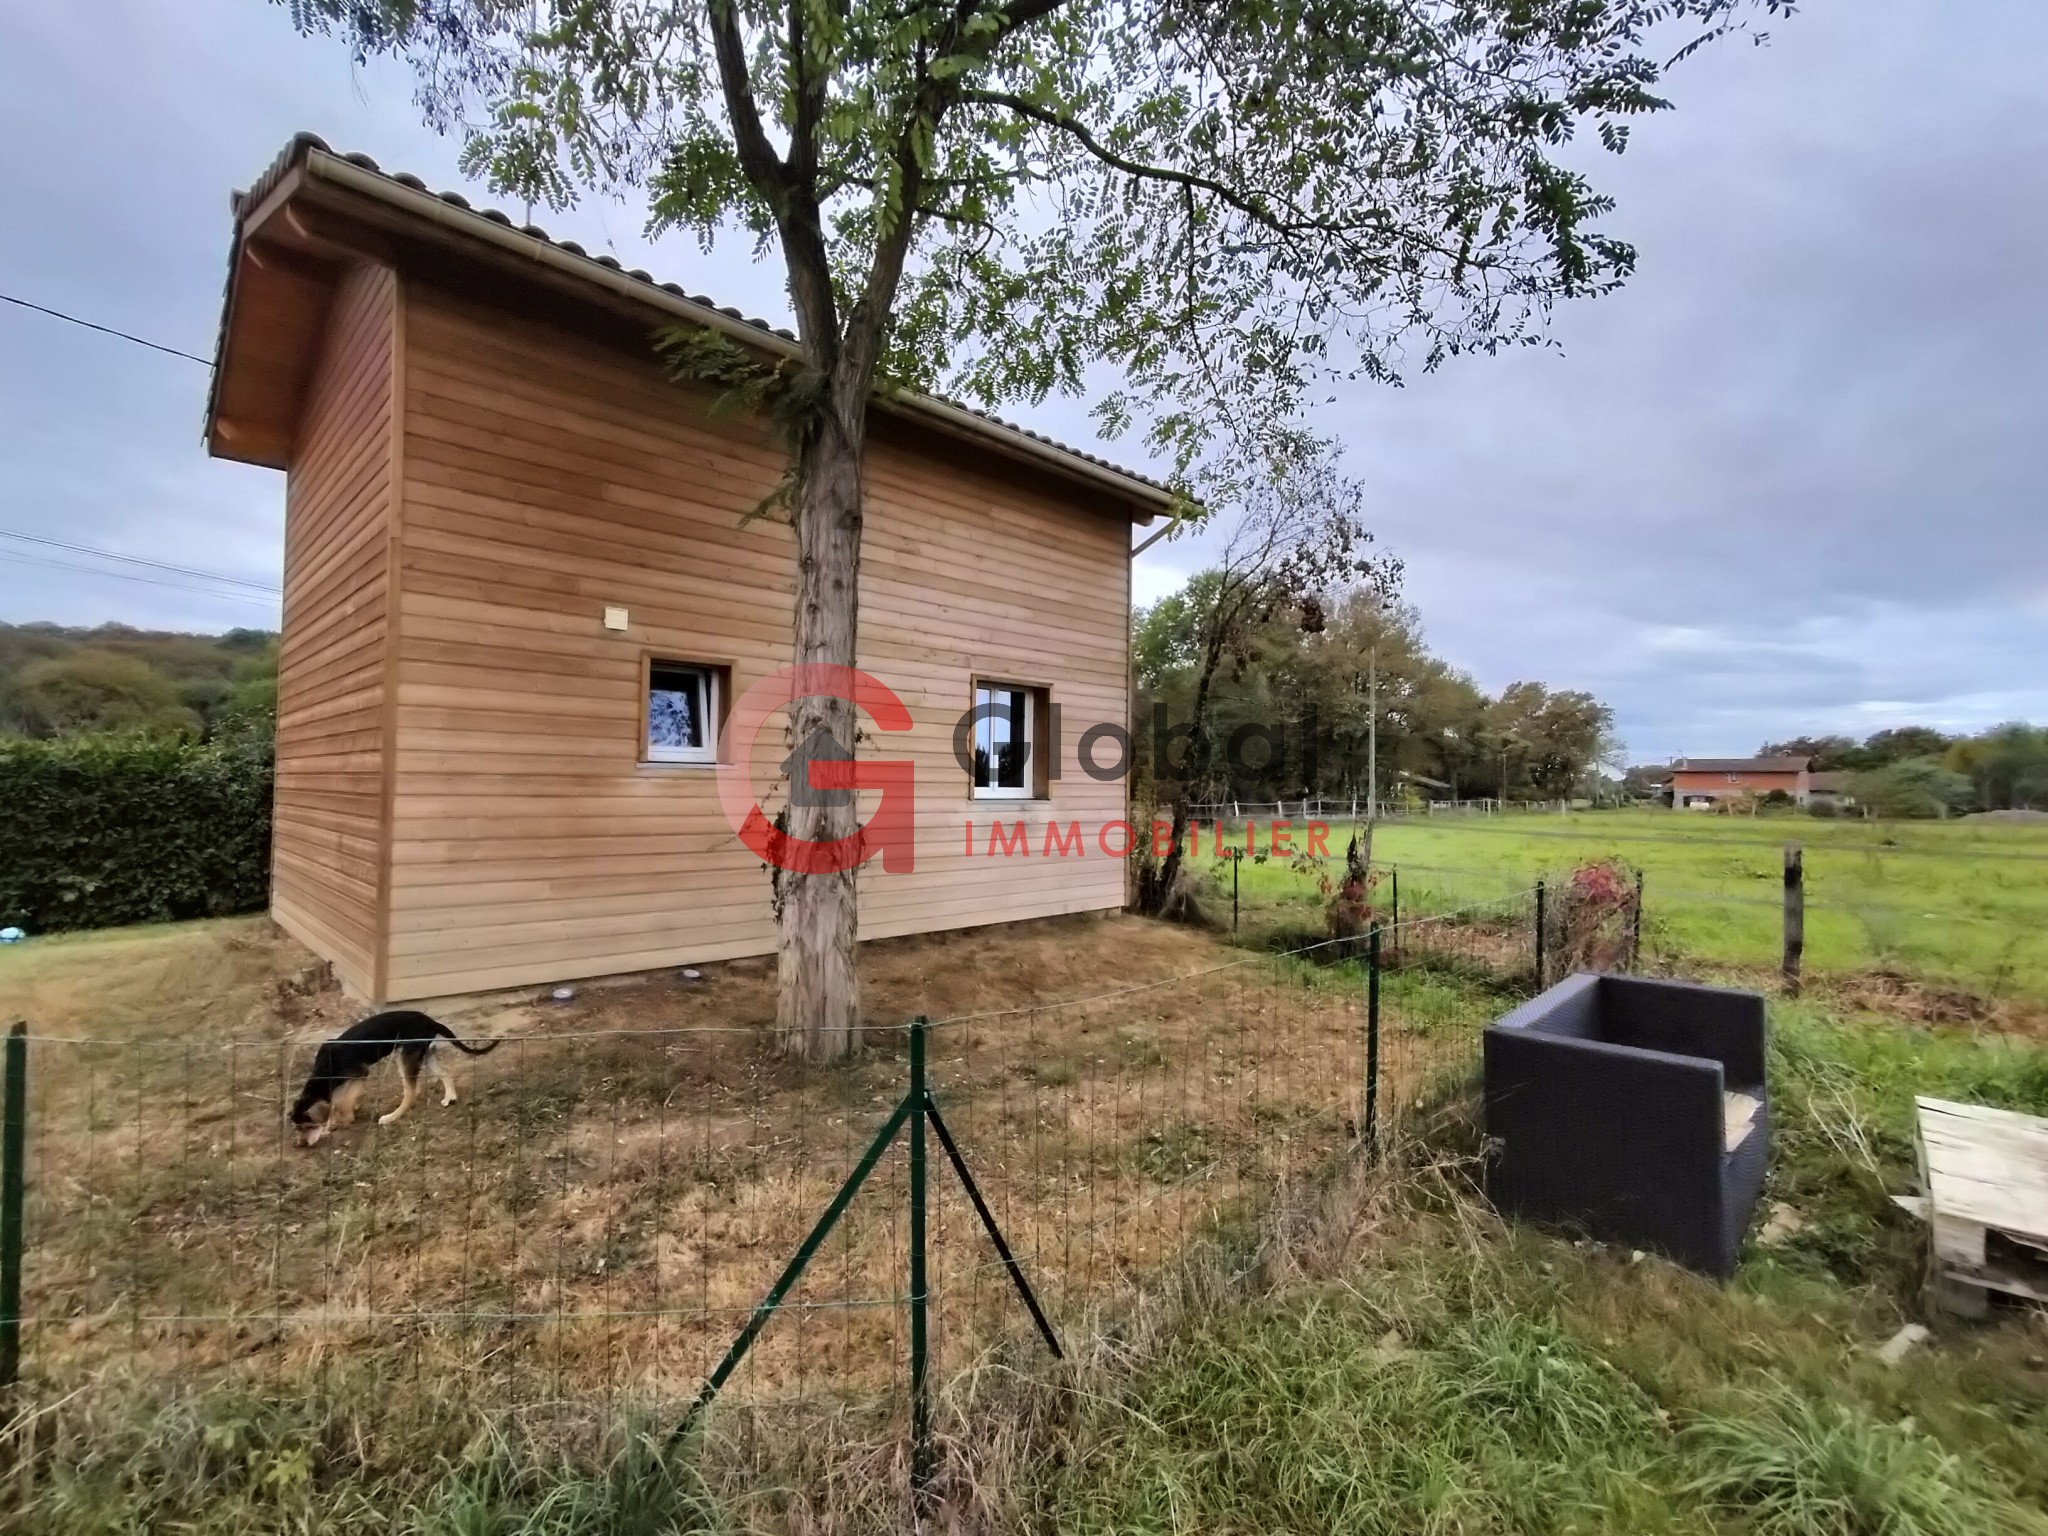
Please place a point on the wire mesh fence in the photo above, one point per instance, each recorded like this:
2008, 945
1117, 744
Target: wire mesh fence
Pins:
580, 1235
1353, 807
584, 1228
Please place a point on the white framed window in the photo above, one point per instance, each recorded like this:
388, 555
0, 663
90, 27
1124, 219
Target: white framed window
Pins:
682, 712
1006, 741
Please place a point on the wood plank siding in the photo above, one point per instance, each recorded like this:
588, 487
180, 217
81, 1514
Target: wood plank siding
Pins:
546, 475
328, 847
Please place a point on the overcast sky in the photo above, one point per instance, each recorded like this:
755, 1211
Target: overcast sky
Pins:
1791, 479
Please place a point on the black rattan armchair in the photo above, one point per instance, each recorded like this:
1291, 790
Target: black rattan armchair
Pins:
1633, 1111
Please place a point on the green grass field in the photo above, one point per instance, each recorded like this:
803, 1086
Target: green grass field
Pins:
1405, 1362
1963, 903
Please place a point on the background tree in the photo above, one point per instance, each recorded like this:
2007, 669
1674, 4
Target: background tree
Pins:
1914, 786
1218, 200
193, 683
1296, 541
1900, 743
1828, 754
1439, 734
1555, 739
2004, 768
1842, 753
92, 691
2007, 767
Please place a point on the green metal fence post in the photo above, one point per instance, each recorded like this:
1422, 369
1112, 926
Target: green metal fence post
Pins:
1539, 935
1395, 873
1372, 1041
13, 1181
920, 1362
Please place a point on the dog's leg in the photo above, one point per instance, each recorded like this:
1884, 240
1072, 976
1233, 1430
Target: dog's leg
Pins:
438, 1071
344, 1103
409, 1075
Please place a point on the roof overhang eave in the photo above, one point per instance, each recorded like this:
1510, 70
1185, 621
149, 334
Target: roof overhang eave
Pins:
1145, 499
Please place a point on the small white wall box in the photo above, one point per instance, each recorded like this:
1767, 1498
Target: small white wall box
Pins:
615, 618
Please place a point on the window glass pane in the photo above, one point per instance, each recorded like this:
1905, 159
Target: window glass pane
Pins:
984, 737
676, 707
1002, 738
1012, 744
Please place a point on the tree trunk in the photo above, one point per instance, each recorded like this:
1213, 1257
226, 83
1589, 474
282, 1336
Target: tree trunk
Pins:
818, 997
1195, 762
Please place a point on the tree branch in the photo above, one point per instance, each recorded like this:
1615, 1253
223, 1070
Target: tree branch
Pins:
1292, 224
793, 203
1082, 135
929, 100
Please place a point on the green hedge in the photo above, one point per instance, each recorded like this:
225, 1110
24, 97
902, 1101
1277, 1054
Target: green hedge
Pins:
97, 831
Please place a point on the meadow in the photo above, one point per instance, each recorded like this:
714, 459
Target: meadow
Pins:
1957, 903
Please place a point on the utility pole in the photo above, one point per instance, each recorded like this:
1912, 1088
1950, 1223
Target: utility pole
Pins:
1372, 736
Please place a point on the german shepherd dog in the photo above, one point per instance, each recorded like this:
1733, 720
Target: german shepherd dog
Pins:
328, 1101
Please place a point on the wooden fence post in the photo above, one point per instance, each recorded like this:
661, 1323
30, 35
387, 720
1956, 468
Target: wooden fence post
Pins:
1795, 915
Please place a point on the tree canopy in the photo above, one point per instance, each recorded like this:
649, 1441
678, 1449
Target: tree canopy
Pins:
1877, 750
1220, 200
70, 682
1439, 734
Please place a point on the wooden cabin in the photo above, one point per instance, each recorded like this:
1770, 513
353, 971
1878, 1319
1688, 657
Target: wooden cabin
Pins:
522, 588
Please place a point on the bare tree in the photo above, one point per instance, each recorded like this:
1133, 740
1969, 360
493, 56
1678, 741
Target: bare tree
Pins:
1299, 540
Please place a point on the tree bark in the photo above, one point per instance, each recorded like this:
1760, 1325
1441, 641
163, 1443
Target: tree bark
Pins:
1195, 762
818, 1001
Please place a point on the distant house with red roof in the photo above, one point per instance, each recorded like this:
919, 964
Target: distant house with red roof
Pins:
1699, 783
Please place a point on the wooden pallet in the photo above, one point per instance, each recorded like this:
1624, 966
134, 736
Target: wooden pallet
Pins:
1985, 1173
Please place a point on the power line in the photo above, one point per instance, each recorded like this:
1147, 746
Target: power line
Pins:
265, 587
181, 586
107, 330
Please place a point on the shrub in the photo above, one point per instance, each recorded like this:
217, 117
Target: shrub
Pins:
1919, 786
101, 830
1349, 912
1592, 917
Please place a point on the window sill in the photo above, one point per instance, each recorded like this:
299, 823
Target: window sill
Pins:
661, 766
1002, 802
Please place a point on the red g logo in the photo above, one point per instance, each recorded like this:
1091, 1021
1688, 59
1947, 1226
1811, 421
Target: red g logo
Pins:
822, 770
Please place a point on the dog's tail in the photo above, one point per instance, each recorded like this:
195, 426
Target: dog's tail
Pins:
464, 1046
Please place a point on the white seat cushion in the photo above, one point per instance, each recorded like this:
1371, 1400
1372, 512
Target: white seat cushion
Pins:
1738, 1118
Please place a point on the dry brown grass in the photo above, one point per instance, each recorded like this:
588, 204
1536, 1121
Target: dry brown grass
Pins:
622, 1179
